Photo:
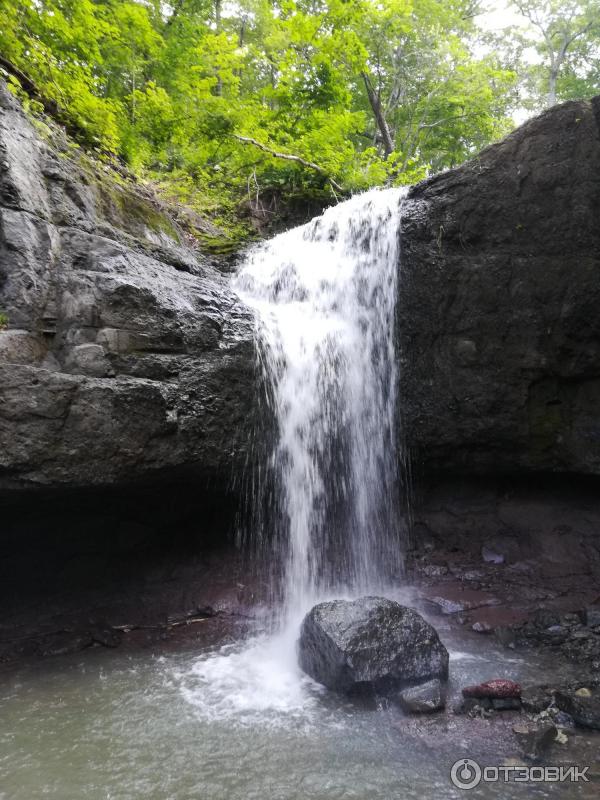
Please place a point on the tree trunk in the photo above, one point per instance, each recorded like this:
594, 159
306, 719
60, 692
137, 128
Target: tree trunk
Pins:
551, 96
375, 103
219, 86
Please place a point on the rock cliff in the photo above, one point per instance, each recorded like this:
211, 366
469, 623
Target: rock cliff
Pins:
123, 353
498, 307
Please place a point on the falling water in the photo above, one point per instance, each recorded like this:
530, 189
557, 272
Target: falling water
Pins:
324, 295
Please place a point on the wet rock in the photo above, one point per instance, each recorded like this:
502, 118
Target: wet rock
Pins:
592, 616
491, 556
535, 739
561, 719
564, 633
536, 699
514, 762
423, 699
499, 688
64, 642
506, 635
453, 598
480, 708
546, 618
506, 703
474, 706
482, 627
555, 634
581, 646
435, 570
370, 645
584, 707
473, 575
561, 737
106, 636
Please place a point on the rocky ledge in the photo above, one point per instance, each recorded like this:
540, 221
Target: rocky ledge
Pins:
122, 349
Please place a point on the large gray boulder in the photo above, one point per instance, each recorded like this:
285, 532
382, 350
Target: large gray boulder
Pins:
125, 354
371, 645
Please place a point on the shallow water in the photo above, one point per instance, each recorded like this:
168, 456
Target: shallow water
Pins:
241, 722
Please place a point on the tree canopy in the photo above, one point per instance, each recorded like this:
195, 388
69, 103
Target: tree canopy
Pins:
222, 101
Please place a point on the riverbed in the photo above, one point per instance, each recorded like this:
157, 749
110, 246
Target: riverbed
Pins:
240, 722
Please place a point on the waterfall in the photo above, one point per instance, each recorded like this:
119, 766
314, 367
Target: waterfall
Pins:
324, 295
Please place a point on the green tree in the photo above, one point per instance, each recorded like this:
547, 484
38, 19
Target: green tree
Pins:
57, 43
567, 38
258, 101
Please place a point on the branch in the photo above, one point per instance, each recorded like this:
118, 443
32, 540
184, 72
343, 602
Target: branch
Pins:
28, 85
289, 157
423, 125
174, 14
576, 34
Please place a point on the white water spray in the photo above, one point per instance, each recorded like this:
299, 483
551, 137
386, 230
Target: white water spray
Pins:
325, 296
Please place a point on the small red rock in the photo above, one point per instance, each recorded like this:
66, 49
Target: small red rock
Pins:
499, 688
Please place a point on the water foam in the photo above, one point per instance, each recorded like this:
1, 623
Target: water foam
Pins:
254, 682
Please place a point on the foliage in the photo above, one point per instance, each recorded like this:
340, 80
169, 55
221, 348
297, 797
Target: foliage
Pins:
366, 92
3, 321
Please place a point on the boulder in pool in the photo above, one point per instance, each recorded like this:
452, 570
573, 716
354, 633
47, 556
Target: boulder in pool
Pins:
371, 645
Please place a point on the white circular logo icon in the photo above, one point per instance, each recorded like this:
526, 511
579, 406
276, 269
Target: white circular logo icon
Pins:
465, 773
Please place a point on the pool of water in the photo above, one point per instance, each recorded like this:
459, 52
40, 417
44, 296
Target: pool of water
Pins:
242, 723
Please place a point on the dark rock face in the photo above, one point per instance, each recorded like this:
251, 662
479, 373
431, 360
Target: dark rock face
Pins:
498, 305
369, 645
125, 353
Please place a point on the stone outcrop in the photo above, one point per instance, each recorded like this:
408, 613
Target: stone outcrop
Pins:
498, 305
423, 699
123, 352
